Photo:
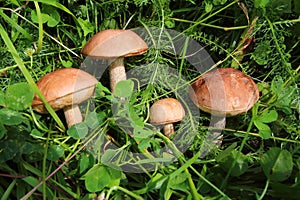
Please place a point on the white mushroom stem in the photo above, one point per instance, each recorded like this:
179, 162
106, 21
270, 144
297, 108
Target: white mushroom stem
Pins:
72, 115
218, 124
116, 72
168, 129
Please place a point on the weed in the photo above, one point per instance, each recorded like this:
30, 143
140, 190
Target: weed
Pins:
115, 152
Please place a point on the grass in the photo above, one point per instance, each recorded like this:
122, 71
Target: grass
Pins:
116, 152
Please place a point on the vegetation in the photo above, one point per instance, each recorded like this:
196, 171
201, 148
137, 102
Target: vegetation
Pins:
116, 152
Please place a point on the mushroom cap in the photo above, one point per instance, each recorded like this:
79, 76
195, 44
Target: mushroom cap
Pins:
224, 91
166, 111
64, 87
113, 43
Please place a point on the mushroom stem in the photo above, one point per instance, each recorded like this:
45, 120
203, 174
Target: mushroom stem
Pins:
72, 115
168, 129
218, 124
116, 72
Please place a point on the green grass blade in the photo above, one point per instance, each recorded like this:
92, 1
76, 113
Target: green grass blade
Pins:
40, 22
8, 190
27, 75
15, 25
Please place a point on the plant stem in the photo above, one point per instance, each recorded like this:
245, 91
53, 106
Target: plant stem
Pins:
208, 182
181, 160
211, 15
240, 150
135, 196
265, 190
40, 22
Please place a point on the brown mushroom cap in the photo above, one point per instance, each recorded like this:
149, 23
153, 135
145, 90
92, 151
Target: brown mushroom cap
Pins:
114, 43
166, 111
63, 88
224, 91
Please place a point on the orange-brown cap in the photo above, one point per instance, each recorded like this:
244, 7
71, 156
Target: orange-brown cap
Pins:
113, 43
224, 91
64, 87
166, 111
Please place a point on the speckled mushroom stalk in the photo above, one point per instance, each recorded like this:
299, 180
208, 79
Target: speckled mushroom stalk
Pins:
224, 92
65, 89
166, 112
115, 45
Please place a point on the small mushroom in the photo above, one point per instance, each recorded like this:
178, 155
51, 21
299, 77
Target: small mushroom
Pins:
115, 45
224, 92
166, 112
65, 89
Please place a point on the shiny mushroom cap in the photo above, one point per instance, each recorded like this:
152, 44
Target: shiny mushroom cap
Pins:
224, 91
114, 43
166, 111
64, 87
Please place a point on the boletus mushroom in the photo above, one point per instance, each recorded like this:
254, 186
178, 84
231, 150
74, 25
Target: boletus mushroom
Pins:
65, 89
223, 93
166, 112
115, 45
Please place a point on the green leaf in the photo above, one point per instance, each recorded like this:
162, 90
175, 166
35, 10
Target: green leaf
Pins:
141, 132
10, 117
19, 96
297, 6
34, 17
178, 180
66, 64
84, 163
208, 7
78, 131
143, 143
36, 133
268, 116
156, 181
97, 178
241, 165
86, 26
9, 150
285, 191
54, 17
100, 89
226, 152
261, 3
262, 53
55, 152
115, 176
92, 120
124, 88
33, 182
108, 156
2, 98
264, 129
277, 164
3, 130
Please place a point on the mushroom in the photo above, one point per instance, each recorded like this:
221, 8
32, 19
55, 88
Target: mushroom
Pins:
166, 112
115, 45
224, 92
65, 89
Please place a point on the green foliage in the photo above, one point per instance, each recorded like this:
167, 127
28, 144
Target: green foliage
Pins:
124, 88
277, 164
258, 158
261, 121
99, 177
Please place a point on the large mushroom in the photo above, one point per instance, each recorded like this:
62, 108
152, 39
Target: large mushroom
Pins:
115, 45
65, 89
166, 112
224, 92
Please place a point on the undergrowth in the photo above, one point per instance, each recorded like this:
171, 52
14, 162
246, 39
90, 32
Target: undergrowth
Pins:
116, 152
